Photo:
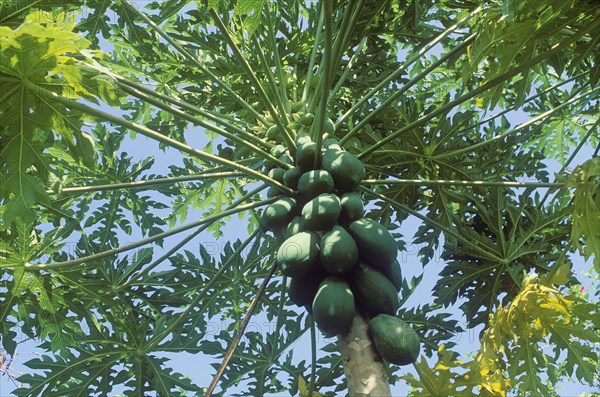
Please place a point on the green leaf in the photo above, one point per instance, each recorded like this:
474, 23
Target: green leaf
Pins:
303, 389
252, 10
38, 53
586, 210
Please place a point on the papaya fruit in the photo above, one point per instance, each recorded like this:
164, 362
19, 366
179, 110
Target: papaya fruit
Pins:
352, 208
373, 291
305, 156
280, 234
273, 192
394, 339
315, 182
286, 158
394, 274
375, 243
268, 165
278, 214
297, 106
295, 226
298, 254
306, 119
338, 251
347, 171
302, 138
331, 143
277, 174
291, 177
277, 150
329, 126
273, 132
303, 289
322, 212
333, 307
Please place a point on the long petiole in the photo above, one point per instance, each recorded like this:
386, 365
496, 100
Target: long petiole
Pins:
278, 65
341, 31
313, 58
148, 240
392, 98
346, 35
442, 182
483, 251
47, 96
516, 129
406, 64
223, 120
212, 115
313, 356
285, 132
276, 88
138, 274
142, 184
196, 63
240, 332
484, 87
240, 136
325, 80
348, 68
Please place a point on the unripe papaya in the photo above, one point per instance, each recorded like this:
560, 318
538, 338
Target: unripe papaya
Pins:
333, 307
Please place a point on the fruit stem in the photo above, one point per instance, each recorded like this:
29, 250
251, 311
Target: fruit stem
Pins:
366, 372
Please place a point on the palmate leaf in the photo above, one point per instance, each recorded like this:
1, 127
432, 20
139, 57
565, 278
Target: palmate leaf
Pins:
251, 9
99, 372
447, 377
37, 53
210, 329
433, 328
30, 291
74, 376
120, 206
259, 355
541, 314
517, 34
330, 369
110, 350
586, 210
153, 375
141, 311
208, 196
516, 237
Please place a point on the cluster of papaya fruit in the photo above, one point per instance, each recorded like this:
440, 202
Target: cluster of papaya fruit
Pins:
339, 261
300, 122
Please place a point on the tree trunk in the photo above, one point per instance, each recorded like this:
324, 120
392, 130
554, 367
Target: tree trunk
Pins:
366, 372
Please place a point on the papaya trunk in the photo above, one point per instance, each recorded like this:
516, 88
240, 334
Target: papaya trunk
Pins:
366, 372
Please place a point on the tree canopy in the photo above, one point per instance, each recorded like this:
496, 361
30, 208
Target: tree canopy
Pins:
131, 134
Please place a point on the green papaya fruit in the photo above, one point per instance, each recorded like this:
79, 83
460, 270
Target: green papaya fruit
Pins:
375, 243
347, 171
394, 339
338, 251
315, 182
298, 254
322, 212
278, 214
333, 307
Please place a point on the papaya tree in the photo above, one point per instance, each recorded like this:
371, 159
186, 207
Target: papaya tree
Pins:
233, 181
